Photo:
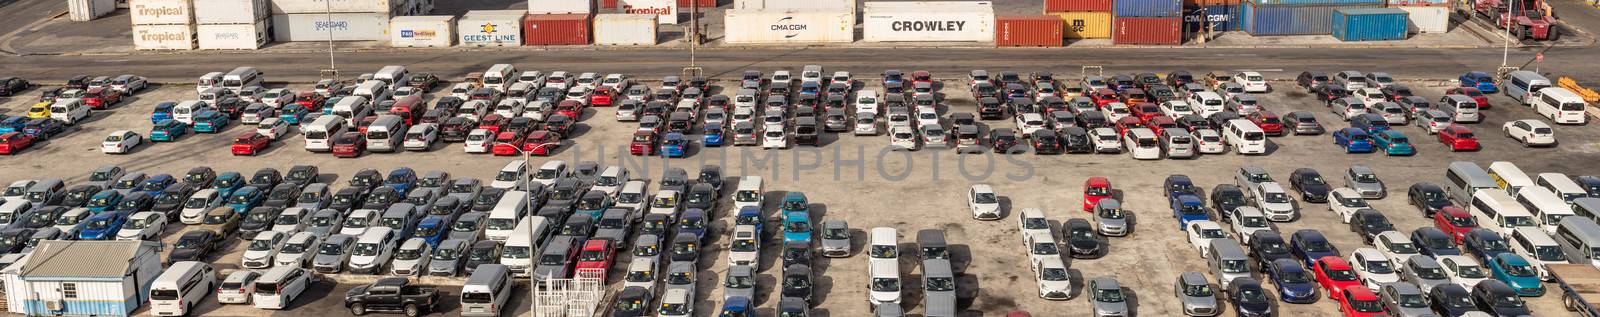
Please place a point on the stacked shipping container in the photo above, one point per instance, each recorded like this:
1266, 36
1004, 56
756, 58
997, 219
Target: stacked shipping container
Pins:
491, 28
351, 20
1425, 16
1373, 24
945, 21
1150, 22
422, 31
1082, 19
558, 22
232, 24
1294, 17
625, 29
1201, 16
1028, 30
162, 24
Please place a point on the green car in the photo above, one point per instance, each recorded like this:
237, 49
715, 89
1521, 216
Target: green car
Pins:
208, 121
1516, 272
167, 130
1393, 143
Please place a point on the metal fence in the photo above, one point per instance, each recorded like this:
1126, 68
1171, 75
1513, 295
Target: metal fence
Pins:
579, 296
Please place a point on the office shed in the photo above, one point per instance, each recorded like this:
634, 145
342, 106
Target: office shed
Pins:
82, 278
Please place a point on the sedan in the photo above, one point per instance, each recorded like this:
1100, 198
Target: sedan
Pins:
1462, 270
120, 142
1530, 132
1294, 284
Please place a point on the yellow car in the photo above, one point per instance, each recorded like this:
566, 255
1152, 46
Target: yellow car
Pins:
39, 110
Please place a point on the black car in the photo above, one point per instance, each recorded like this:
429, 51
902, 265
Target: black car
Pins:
482, 252
1368, 223
1004, 140
1045, 142
1248, 298
10, 86
633, 301
1450, 300
1192, 122
701, 196
41, 217
990, 108
78, 195
1433, 242
135, 202
1221, 118
367, 179
797, 253
685, 246
1267, 246
301, 175
1396, 92
1312, 187
1081, 239
171, 200
381, 198
200, 177
1161, 93
1076, 140
1179, 78
1329, 93
1499, 299
1224, 198
424, 81
195, 245
1311, 81
347, 198
1485, 244
711, 175
14, 240
78, 82
797, 281
1427, 197
1414, 105
257, 220
282, 196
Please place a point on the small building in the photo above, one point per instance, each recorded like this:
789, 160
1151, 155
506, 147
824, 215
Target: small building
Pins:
82, 278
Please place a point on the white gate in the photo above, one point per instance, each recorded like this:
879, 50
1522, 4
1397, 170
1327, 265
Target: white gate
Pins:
574, 297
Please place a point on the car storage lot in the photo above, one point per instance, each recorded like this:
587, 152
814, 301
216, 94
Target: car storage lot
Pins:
909, 192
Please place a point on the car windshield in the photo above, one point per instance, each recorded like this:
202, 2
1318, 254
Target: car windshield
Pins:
1550, 253
1470, 271
1519, 270
735, 281
985, 198
1276, 198
240, 199
1109, 295
883, 284
295, 248
260, 245
356, 222
664, 202
1353, 202
1518, 221
1213, 234
100, 223
1045, 248
189, 243
136, 223
1294, 277
1201, 290
1253, 222
941, 284
1508, 301
1366, 178
217, 219
884, 252
331, 249
480, 254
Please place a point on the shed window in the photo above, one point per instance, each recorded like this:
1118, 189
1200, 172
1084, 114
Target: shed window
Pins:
69, 290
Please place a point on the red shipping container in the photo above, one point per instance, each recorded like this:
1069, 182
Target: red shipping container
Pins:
1028, 30
608, 4
1076, 5
556, 29
1150, 31
704, 4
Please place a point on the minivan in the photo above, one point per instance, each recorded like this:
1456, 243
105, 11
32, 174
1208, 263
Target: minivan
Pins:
1245, 136
181, 287
1561, 185
1580, 239
386, 134
1525, 86
1228, 261
1466, 179
1460, 107
1495, 209
1508, 177
372, 250
530, 233
1559, 105
1548, 209
1538, 248
277, 288
512, 207
45, 191
486, 291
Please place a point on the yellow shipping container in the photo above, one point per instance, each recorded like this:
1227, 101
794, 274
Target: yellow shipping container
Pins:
1085, 25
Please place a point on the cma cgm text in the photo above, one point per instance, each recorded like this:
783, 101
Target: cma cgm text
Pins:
933, 26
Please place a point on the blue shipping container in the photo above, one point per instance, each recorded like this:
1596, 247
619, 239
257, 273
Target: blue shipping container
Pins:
1323, 2
1221, 18
1268, 19
1369, 24
1147, 8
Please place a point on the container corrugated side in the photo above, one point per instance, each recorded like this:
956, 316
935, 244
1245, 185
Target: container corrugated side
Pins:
1316, 2
786, 26
1147, 8
945, 21
1053, 6
1028, 30
88, 10
704, 4
625, 29
1192, 4
317, 27
230, 11
1147, 31
335, 6
1085, 25
1427, 19
1418, 3
232, 36
556, 29
1260, 20
666, 11
163, 37
490, 28
152, 12
1219, 18
422, 31
560, 6
794, 5
1369, 24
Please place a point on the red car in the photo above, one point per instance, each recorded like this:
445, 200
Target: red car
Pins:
597, 254
603, 97
1268, 121
11, 143
1128, 122
1335, 275
361, 126
1477, 95
349, 144
1359, 301
493, 122
1095, 189
409, 108
921, 76
311, 100
250, 143
569, 108
1160, 123
1134, 95
644, 143
1104, 96
99, 98
1144, 110
507, 143
541, 142
1459, 138
1454, 221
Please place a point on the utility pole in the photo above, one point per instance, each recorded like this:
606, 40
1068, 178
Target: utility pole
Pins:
694, 39
332, 72
1505, 53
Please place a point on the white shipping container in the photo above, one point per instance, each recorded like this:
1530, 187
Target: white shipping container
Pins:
335, 6
232, 36
560, 6
795, 4
1427, 19
491, 28
147, 12
343, 27
665, 10
422, 31
230, 11
625, 29
784, 26
163, 37
87, 10
966, 21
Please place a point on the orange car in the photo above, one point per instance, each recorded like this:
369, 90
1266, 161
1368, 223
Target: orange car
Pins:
508, 143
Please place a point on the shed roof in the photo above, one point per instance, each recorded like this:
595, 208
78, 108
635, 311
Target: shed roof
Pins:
76, 258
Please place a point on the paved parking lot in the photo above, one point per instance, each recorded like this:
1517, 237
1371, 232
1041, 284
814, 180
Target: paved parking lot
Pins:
851, 178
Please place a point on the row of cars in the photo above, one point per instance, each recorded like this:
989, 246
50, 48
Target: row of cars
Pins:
60, 107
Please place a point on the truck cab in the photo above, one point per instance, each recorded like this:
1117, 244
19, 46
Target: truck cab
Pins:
391, 294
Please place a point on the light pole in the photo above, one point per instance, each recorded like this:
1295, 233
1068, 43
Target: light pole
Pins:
527, 161
1505, 53
332, 71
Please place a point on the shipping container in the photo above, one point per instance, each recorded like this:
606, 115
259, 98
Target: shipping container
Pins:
1085, 25
625, 29
1147, 8
1147, 31
946, 21
1028, 30
785, 26
1266, 19
1369, 24
1217, 18
342, 27
152, 12
231, 11
491, 28
666, 11
1193, 4
422, 31
233, 36
163, 37
336, 6
1316, 2
556, 29
560, 6
1418, 3
88, 10
1427, 19
792, 4
704, 4
1054, 6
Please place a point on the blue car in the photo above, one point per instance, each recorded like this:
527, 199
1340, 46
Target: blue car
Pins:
102, 226
796, 226
693, 221
292, 113
402, 180
207, 121
1370, 122
163, 111
674, 145
1294, 282
244, 199
1353, 140
327, 105
432, 230
154, 185
1516, 272
1188, 208
1309, 245
1485, 244
1394, 143
1431, 241
167, 131
12, 124
228, 182
1178, 185
1481, 80
750, 215
796, 201
594, 204
43, 128
736, 306
104, 200
713, 134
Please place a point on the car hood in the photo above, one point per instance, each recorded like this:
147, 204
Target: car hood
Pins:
1111, 222
1079, 244
1367, 186
885, 297
1300, 289
326, 260
257, 255
442, 265
986, 208
541, 271
129, 233
939, 303
835, 244
1200, 302
288, 257
1111, 308
184, 255
1060, 286
1315, 189
736, 292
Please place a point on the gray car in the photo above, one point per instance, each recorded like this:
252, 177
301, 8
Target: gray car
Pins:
1197, 295
1302, 123
1424, 272
835, 238
1404, 300
1109, 218
313, 197
468, 227
613, 225
1365, 181
446, 259
740, 281
464, 189
332, 254
325, 222
1107, 297
938, 288
681, 275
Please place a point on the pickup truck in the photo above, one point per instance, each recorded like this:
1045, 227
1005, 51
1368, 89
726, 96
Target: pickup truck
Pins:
393, 294
1580, 287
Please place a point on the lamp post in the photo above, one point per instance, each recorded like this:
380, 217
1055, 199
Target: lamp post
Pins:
527, 159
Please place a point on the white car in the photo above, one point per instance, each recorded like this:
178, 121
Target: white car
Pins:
1176, 109
277, 97
774, 139
273, 128
744, 115
1395, 246
558, 80
1210, 141
194, 209
403, 92
1374, 268
261, 250
1116, 111
478, 141
866, 123
1247, 220
1530, 132
1276, 203
461, 90
120, 142
546, 175
298, 251
1055, 282
411, 258
744, 247
665, 203
934, 136
927, 116
984, 203
902, 138
357, 222
129, 84
579, 94
1252, 81
1345, 202
421, 137
1462, 270
867, 101
1370, 96
146, 226
1032, 221
292, 220
1030, 122
588, 80
619, 82
675, 303
642, 272
1202, 232
1041, 247
1106, 140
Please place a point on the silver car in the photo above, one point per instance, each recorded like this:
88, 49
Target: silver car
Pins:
835, 238
1365, 181
1404, 300
1109, 218
325, 222
938, 288
681, 275
411, 258
332, 254
296, 252
468, 227
613, 225
745, 246
1276, 203
740, 281
1423, 271
1196, 294
447, 258
1107, 297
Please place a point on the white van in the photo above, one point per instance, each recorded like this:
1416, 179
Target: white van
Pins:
486, 291
376, 91
1538, 248
1207, 102
513, 206
352, 109
69, 111
211, 79
518, 253
1142, 144
748, 194
1496, 210
12, 210
185, 110
1246, 137
1560, 105
1561, 185
1461, 108
373, 250
1508, 176
181, 287
1466, 179
1548, 208
320, 133
395, 76
279, 286
243, 77
1524, 85
499, 76
386, 134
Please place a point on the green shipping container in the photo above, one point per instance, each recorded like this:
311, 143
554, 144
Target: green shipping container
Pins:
1369, 24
